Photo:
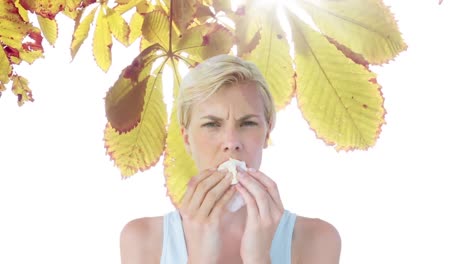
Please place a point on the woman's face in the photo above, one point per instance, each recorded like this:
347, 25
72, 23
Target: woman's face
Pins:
229, 124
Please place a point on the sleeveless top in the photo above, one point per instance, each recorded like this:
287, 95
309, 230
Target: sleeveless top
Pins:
174, 249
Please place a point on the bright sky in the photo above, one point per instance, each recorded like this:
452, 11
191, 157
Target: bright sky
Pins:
403, 201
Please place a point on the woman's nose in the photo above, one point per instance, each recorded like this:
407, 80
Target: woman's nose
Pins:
232, 140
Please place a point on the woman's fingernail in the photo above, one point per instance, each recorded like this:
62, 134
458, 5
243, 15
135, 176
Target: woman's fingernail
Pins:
241, 174
251, 169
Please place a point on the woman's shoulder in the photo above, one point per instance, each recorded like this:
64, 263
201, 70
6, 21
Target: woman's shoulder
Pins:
141, 239
316, 240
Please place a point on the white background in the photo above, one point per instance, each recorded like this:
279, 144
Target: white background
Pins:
403, 201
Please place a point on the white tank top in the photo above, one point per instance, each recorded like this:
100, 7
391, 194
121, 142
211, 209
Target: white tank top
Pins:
174, 249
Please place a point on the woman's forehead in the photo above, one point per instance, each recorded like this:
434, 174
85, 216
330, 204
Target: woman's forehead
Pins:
239, 100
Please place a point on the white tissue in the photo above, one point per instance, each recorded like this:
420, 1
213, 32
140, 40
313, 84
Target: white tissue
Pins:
231, 165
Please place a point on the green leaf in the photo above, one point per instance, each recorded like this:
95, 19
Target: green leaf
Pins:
367, 27
81, 31
102, 42
339, 99
118, 26
141, 148
49, 29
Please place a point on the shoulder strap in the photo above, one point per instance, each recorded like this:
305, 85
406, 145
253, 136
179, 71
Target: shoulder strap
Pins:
280, 252
174, 249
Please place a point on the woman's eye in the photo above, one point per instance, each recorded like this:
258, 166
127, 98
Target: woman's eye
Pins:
210, 124
249, 123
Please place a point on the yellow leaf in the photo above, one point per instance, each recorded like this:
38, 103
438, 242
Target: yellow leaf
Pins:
125, 99
272, 58
222, 5
339, 98
102, 42
155, 28
124, 6
182, 13
179, 166
366, 27
204, 41
5, 67
118, 26
141, 148
247, 32
81, 31
2, 88
22, 12
135, 27
20, 40
44, 8
49, 29
21, 89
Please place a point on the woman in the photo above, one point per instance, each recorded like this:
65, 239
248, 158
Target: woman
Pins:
226, 111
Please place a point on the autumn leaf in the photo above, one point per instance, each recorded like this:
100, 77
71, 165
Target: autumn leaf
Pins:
271, 56
125, 99
102, 42
155, 28
141, 148
2, 88
179, 166
49, 29
19, 39
182, 13
365, 26
21, 89
5, 67
124, 6
136, 22
337, 97
81, 31
118, 26
247, 32
44, 8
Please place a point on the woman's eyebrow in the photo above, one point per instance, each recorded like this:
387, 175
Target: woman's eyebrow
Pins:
215, 118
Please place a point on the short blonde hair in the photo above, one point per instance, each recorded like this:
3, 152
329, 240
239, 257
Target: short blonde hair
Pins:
217, 72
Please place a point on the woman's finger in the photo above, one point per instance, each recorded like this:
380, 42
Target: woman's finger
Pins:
193, 184
270, 185
252, 209
220, 206
258, 191
214, 194
203, 187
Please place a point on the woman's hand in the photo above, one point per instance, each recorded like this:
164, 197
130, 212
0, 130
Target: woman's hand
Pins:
264, 212
201, 209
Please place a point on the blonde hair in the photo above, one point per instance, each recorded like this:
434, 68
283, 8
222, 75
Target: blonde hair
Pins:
217, 72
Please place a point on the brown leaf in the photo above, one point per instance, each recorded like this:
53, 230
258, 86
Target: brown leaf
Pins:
124, 111
182, 13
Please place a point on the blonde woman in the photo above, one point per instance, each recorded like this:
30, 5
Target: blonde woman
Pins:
226, 112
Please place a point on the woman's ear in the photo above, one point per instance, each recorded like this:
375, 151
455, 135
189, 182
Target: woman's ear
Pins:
185, 138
